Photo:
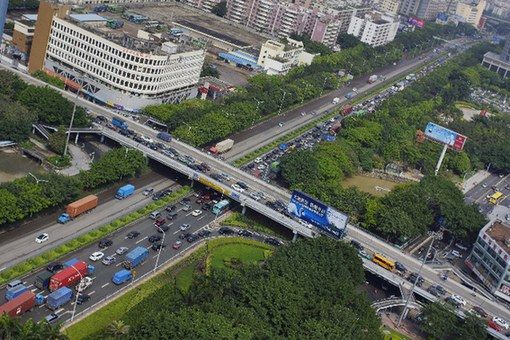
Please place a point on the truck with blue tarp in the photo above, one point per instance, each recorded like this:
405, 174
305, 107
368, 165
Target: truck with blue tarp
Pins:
125, 191
120, 123
135, 257
70, 262
122, 276
165, 136
15, 292
59, 298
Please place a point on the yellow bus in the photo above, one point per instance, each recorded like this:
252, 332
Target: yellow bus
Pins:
383, 261
496, 197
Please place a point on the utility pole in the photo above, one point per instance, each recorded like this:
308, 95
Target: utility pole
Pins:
71, 123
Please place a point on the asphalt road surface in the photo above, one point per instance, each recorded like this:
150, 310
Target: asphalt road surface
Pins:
16, 247
485, 188
103, 285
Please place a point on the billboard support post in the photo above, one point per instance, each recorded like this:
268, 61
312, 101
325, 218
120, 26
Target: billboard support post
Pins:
441, 158
295, 237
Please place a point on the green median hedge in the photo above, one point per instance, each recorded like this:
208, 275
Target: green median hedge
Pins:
54, 254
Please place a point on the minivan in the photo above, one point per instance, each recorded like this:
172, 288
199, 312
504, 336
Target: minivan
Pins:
154, 215
13, 284
171, 215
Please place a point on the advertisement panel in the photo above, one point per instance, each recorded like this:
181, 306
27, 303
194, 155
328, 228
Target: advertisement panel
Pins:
317, 213
446, 136
416, 22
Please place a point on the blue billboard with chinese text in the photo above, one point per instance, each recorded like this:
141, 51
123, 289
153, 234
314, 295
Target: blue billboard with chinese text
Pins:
446, 136
318, 214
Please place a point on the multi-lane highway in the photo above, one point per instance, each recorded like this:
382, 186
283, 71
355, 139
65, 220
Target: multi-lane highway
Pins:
102, 286
481, 191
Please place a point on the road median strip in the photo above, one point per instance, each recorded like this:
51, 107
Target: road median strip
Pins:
30, 265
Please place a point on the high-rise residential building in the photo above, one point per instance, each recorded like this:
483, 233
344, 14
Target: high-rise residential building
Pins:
429, 9
409, 7
499, 63
388, 6
490, 258
471, 11
374, 29
120, 69
3, 15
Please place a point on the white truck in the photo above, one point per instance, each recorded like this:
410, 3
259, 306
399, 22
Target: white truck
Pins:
372, 79
222, 146
336, 100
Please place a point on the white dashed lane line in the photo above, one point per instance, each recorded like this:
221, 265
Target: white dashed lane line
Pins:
106, 284
141, 240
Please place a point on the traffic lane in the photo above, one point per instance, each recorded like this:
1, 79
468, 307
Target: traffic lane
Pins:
479, 190
25, 246
102, 285
428, 273
494, 181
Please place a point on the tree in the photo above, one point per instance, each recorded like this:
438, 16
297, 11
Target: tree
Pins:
55, 81
118, 329
209, 71
15, 121
57, 140
220, 9
347, 40
13, 328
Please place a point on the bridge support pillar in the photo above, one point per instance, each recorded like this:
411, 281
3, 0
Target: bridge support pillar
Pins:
295, 237
244, 210
76, 138
102, 139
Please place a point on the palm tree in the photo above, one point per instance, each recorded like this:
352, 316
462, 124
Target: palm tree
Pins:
117, 329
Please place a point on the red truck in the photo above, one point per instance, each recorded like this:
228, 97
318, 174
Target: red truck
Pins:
19, 305
346, 110
68, 276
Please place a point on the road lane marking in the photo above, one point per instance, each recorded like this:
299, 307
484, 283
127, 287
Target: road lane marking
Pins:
33, 290
201, 217
189, 213
59, 310
118, 264
146, 237
177, 231
30, 286
92, 292
106, 284
169, 224
43, 305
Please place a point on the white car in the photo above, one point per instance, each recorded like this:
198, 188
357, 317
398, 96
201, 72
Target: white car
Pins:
458, 299
500, 322
42, 238
96, 256
261, 167
255, 196
236, 187
258, 160
196, 212
147, 139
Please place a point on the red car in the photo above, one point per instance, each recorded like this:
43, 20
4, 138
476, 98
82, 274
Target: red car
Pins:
159, 221
177, 245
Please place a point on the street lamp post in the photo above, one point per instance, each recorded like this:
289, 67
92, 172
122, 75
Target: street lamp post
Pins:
434, 235
72, 119
78, 293
281, 103
160, 249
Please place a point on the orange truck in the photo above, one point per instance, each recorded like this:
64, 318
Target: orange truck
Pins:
78, 207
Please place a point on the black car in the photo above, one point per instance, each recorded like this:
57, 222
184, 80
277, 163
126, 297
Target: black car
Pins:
440, 290
192, 238
185, 201
163, 228
133, 234
184, 236
400, 267
415, 277
204, 233
158, 246
226, 231
206, 206
356, 245
245, 233
105, 243
273, 241
54, 267
432, 290
171, 215
242, 185
170, 208
82, 298
154, 238
158, 195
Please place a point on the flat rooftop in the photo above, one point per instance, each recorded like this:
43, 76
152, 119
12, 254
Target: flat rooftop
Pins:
499, 232
213, 33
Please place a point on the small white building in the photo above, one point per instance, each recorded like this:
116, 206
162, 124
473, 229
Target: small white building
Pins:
279, 57
374, 29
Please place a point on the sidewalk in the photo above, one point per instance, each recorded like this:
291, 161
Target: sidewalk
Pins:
80, 161
472, 181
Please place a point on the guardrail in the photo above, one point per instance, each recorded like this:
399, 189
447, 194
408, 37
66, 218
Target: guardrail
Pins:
244, 200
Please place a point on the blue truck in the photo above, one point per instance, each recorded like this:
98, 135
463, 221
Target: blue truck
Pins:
120, 123
122, 276
135, 257
59, 298
15, 292
164, 136
125, 191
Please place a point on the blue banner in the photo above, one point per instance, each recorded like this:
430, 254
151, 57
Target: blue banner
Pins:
317, 213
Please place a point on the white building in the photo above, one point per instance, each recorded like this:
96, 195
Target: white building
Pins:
124, 72
278, 57
374, 29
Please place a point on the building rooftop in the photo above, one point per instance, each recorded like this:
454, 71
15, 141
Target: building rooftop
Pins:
29, 17
215, 34
90, 17
500, 232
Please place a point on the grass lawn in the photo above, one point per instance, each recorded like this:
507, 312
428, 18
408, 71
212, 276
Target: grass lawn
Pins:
185, 277
391, 334
246, 253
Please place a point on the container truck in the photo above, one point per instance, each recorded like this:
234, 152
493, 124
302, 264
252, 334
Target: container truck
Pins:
135, 257
164, 136
19, 305
68, 276
125, 191
78, 207
42, 281
222, 146
120, 123
59, 298
15, 292
122, 276
372, 79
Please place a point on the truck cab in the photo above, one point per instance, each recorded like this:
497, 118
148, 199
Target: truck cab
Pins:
64, 218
